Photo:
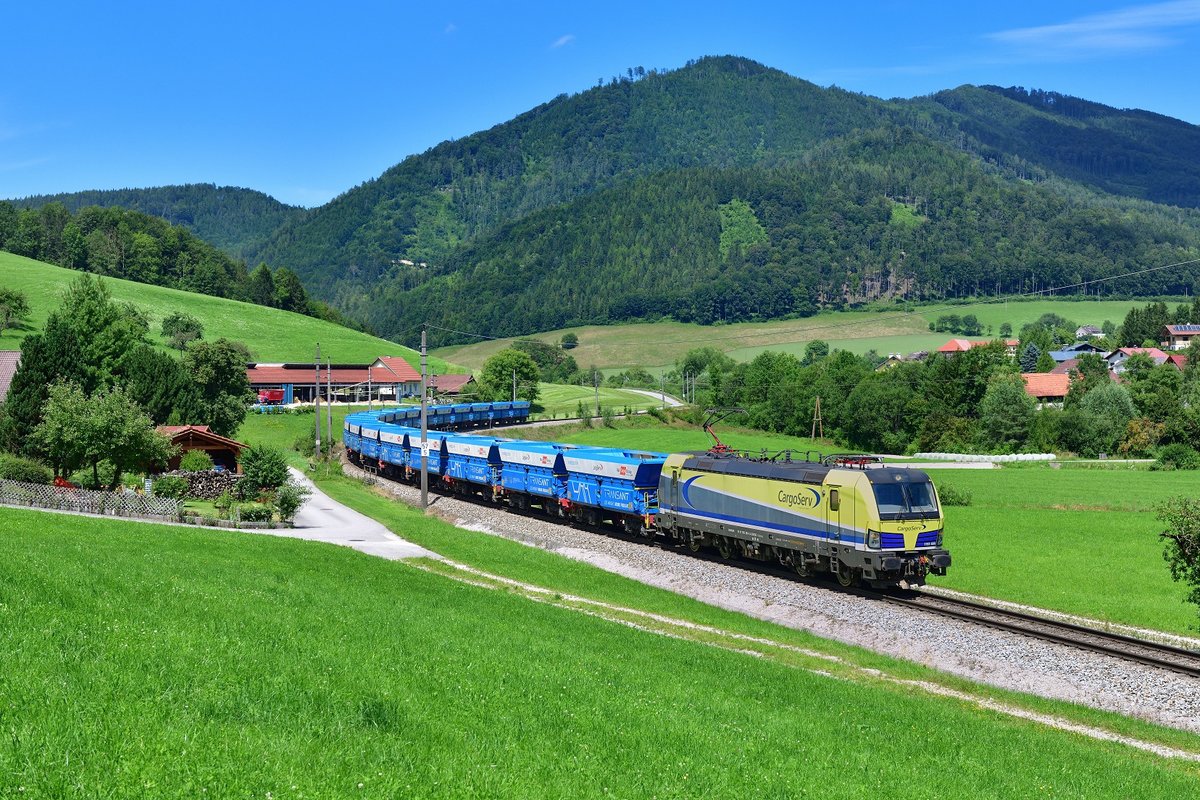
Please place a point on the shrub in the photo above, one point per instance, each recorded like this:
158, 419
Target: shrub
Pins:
305, 445
263, 467
953, 496
171, 486
15, 468
224, 502
84, 478
288, 500
657, 413
1177, 456
255, 512
608, 417
196, 461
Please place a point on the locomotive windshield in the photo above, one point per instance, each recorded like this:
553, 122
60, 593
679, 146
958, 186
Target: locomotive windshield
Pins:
904, 499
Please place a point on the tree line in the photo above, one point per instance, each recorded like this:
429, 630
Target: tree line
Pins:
119, 243
90, 388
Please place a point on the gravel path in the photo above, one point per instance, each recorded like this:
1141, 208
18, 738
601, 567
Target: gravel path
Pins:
980, 654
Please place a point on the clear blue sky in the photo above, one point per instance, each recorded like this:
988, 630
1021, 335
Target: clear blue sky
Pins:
304, 100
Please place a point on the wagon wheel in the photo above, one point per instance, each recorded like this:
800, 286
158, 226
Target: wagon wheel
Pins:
725, 547
847, 576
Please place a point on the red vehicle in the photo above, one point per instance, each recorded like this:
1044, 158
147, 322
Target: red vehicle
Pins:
270, 397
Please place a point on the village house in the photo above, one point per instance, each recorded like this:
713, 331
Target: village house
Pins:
1178, 337
1117, 358
963, 345
1047, 388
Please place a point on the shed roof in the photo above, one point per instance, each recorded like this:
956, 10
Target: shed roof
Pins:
9, 361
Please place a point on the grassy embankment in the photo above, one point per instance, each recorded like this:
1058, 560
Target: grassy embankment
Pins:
660, 344
272, 335
151, 661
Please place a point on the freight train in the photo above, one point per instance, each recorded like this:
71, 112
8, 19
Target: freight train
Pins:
851, 517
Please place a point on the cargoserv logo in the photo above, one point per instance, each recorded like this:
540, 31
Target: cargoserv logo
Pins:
799, 498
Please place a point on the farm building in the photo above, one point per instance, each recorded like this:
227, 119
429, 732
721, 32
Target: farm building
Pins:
224, 452
386, 378
452, 385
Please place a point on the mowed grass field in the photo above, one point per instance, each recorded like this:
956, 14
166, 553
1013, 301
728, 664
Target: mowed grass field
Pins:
660, 344
150, 661
272, 335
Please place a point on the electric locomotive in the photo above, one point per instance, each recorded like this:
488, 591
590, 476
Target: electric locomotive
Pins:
848, 515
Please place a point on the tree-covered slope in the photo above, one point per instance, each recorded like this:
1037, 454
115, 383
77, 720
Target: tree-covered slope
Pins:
235, 220
1125, 152
885, 213
720, 112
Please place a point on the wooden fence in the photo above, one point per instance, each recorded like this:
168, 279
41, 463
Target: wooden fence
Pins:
115, 504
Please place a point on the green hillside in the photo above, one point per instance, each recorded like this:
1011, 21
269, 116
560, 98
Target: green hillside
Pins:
271, 334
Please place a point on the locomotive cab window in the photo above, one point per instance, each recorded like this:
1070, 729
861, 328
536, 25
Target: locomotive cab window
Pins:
904, 499
834, 503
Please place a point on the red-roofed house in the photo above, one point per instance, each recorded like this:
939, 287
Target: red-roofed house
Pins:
224, 452
1117, 358
1048, 388
963, 345
1177, 337
1177, 360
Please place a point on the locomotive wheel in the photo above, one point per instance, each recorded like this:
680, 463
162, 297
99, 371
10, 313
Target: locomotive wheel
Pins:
695, 542
847, 576
725, 547
800, 567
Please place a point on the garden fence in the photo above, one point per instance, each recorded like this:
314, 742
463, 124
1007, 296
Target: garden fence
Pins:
119, 504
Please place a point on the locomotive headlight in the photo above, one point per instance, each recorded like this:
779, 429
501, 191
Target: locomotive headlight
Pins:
873, 540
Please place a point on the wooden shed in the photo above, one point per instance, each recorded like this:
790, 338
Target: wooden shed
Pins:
224, 452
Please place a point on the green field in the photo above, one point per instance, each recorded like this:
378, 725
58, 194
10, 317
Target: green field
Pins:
151, 661
272, 335
660, 344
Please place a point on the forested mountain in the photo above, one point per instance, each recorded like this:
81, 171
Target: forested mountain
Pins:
1131, 153
727, 190
236, 220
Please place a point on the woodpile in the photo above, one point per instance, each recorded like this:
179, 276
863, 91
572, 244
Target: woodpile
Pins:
207, 485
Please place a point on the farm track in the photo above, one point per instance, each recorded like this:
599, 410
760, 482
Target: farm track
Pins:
1093, 640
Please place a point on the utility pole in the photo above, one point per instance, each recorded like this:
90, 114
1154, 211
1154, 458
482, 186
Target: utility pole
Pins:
662, 387
317, 399
817, 424
424, 429
329, 405
596, 387
514, 386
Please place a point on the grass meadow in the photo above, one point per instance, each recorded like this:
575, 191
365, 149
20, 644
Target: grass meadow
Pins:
658, 345
151, 661
272, 335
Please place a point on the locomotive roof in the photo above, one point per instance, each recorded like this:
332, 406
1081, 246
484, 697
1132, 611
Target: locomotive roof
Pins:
796, 471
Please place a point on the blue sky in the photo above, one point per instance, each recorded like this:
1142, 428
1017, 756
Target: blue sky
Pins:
305, 100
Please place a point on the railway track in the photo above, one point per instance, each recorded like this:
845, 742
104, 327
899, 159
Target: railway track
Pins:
1093, 640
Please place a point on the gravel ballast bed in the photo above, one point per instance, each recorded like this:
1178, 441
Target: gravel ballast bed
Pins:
980, 654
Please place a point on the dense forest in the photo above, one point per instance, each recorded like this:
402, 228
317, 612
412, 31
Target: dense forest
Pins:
237, 221
886, 214
727, 191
